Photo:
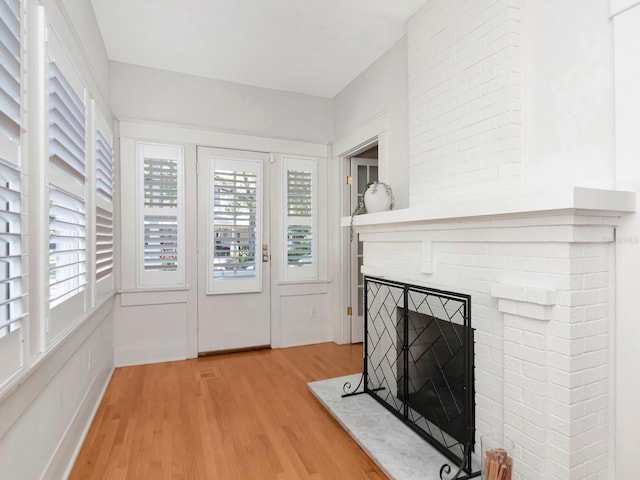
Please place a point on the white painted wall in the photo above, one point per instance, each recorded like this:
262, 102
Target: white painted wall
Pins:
627, 119
568, 125
43, 423
374, 104
43, 420
380, 90
163, 96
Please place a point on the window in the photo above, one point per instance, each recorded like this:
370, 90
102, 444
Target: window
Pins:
67, 193
300, 262
12, 278
160, 209
104, 210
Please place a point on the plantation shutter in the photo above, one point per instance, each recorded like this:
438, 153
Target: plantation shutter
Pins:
67, 246
67, 204
299, 204
11, 288
160, 231
104, 168
10, 255
104, 243
300, 218
66, 126
104, 209
234, 223
299, 193
160, 242
12, 278
10, 70
161, 224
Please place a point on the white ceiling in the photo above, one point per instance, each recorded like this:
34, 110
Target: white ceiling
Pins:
308, 46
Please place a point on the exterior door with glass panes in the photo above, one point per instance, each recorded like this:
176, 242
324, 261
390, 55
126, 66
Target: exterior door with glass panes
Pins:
233, 250
363, 171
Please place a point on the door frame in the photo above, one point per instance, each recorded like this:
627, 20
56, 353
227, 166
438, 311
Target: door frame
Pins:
354, 279
375, 131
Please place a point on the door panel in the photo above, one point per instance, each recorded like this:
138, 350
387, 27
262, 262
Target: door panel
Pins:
233, 229
363, 171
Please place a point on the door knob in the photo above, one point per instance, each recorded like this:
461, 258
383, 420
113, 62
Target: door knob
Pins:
265, 253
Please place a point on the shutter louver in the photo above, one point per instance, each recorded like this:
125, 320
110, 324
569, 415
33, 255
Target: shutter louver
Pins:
104, 210
299, 246
11, 287
160, 215
67, 246
299, 193
160, 183
104, 243
67, 205
160, 243
299, 208
10, 254
104, 168
299, 219
10, 69
234, 224
66, 126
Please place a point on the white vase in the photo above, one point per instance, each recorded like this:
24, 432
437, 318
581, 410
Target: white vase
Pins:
377, 199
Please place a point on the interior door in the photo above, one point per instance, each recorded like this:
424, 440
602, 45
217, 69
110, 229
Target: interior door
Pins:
363, 171
233, 256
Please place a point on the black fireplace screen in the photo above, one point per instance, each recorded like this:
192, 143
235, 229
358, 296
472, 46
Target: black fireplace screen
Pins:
419, 362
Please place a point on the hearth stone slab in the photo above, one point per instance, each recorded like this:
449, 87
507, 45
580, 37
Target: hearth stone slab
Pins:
399, 452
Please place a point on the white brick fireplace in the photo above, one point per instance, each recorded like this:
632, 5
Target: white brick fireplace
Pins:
514, 164
539, 269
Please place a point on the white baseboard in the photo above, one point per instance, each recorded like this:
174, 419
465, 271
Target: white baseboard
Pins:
71, 442
128, 356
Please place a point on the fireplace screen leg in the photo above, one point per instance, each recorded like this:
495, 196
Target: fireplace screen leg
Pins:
350, 392
446, 468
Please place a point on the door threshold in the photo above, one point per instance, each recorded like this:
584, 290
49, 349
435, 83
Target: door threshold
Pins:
234, 350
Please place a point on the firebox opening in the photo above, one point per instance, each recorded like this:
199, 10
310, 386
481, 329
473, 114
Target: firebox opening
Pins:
436, 371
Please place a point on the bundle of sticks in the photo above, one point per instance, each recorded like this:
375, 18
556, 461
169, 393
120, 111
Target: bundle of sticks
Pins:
497, 465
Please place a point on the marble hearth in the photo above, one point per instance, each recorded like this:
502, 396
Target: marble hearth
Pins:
399, 452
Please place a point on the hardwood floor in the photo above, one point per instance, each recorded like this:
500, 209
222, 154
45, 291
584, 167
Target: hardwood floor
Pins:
234, 416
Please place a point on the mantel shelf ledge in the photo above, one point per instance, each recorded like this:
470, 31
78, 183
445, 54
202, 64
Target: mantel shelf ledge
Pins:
545, 202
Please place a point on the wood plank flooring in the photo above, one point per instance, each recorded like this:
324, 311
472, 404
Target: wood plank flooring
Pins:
234, 416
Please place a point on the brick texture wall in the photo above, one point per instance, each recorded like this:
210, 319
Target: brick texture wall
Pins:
464, 60
540, 291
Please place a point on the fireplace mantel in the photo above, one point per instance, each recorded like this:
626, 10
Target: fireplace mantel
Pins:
576, 200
